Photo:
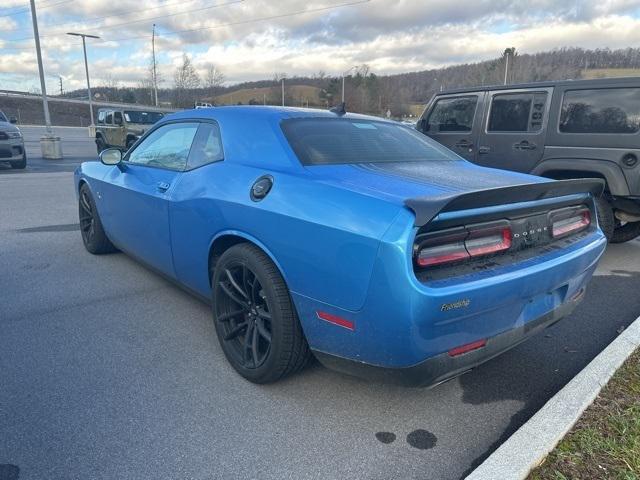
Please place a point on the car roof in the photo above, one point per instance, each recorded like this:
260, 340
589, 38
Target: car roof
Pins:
263, 112
251, 133
586, 83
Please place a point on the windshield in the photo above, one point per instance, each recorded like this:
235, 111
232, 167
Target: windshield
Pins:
328, 141
135, 116
2, 117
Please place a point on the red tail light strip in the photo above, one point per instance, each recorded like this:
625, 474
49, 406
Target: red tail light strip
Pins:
571, 224
480, 243
485, 245
327, 317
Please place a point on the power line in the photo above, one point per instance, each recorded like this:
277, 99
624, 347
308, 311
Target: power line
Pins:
108, 27
124, 13
228, 24
253, 20
27, 9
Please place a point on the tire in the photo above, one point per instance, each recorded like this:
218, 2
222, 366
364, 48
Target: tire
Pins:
93, 236
626, 232
254, 317
606, 220
100, 144
130, 142
20, 164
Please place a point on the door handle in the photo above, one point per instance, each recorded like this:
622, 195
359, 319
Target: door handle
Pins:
163, 186
524, 145
483, 150
464, 144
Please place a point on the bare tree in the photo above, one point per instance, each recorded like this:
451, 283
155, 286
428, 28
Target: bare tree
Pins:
213, 80
185, 80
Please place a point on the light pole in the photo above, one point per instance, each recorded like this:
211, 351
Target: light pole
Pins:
155, 79
283, 91
43, 87
344, 74
86, 67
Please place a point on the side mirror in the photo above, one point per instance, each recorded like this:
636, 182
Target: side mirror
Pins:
111, 156
422, 125
13, 120
117, 120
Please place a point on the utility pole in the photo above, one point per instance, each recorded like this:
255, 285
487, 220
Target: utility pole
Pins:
508, 52
155, 79
61, 92
344, 74
43, 87
86, 68
283, 91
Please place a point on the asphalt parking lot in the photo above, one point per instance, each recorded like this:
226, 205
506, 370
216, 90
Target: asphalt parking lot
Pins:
109, 371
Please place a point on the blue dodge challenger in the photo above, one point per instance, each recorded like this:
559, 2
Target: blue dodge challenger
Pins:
355, 238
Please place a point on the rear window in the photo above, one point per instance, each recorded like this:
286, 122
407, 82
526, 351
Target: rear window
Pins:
328, 141
610, 110
517, 112
146, 118
453, 114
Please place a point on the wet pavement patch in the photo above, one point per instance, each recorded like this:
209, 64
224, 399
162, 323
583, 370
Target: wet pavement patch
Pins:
386, 437
9, 472
422, 439
68, 227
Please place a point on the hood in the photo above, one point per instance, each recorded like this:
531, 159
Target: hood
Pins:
399, 181
8, 127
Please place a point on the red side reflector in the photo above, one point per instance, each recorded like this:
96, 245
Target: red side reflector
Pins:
336, 320
454, 352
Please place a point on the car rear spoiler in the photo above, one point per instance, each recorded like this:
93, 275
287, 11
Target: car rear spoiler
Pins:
426, 208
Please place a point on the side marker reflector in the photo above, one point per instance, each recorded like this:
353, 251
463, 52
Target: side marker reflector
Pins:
341, 322
454, 352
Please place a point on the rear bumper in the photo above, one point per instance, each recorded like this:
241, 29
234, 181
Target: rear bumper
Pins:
443, 367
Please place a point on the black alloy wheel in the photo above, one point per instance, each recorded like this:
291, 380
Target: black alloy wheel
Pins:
243, 312
93, 236
254, 316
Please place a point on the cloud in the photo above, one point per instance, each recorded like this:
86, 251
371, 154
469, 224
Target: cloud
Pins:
390, 35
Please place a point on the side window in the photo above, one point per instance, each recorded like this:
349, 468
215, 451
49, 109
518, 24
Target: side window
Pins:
109, 118
207, 146
101, 116
167, 147
517, 112
117, 118
610, 110
454, 114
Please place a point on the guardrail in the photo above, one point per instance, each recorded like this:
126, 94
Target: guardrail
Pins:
100, 103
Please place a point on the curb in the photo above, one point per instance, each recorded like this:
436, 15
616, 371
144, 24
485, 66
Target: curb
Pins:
531, 443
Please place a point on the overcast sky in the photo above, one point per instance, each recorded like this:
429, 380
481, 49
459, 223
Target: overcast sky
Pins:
253, 39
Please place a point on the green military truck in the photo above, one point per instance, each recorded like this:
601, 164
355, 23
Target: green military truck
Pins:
121, 127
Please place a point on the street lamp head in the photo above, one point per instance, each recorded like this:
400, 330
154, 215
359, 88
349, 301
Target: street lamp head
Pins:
82, 35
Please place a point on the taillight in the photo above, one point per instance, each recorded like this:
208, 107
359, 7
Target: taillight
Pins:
565, 222
484, 243
461, 244
448, 252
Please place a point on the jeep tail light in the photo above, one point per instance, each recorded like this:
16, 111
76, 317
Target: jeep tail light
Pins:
464, 244
573, 222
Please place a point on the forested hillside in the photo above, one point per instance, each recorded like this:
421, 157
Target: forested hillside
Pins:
369, 92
